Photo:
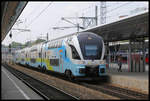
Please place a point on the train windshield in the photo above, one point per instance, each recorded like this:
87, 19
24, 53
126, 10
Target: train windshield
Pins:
91, 46
91, 50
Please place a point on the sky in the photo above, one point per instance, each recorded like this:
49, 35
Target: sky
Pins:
41, 17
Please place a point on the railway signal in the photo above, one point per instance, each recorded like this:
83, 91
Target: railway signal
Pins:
10, 35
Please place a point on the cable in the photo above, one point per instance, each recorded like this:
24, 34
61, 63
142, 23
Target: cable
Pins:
118, 7
40, 13
91, 7
32, 12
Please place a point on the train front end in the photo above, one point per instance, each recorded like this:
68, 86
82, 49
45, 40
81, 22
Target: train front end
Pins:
92, 49
90, 52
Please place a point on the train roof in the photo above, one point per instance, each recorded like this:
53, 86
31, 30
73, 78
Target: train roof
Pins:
66, 36
77, 33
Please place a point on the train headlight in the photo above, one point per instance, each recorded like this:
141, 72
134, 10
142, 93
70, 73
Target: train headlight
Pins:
82, 62
81, 70
102, 62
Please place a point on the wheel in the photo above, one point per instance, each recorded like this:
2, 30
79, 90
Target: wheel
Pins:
69, 75
44, 69
39, 67
27, 65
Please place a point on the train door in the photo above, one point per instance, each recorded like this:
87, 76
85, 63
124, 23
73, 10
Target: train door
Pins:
41, 56
61, 60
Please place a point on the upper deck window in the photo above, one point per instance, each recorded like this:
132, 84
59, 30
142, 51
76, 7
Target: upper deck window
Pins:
55, 44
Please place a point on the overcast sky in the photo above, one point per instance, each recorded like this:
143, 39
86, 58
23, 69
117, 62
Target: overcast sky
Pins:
41, 23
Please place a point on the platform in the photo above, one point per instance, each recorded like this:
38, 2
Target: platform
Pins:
133, 80
125, 67
13, 88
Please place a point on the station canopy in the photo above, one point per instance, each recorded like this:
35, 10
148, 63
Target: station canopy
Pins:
125, 29
10, 13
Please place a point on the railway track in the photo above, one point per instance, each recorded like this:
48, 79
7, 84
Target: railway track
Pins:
130, 93
45, 91
118, 92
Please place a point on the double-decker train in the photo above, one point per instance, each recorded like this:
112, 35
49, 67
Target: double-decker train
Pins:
76, 55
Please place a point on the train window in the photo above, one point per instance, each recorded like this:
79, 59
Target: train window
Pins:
39, 55
45, 54
91, 50
49, 45
52, 45
54, 62
65, 54
56, 45
59, 43
75, 54
33, 60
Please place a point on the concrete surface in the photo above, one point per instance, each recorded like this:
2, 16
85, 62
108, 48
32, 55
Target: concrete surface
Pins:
13, 88
138, 81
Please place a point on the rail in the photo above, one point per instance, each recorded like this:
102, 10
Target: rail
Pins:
103, 87
45, 91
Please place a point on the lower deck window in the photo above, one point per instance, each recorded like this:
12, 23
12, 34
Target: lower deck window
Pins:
54, 62
33, 60
22, 59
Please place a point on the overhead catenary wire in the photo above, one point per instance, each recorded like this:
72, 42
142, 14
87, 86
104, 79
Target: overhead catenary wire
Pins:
32, 12
116, 8
107, 6
40, 13
77, 13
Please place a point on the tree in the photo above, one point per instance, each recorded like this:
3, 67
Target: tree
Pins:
38, 41
16, 44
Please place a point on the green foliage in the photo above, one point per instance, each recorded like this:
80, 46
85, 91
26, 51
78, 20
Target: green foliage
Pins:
29, 43
38, 41
16, 44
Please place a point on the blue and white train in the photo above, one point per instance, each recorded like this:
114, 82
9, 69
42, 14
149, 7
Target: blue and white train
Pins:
76, 55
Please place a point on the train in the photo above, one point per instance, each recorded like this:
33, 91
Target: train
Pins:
76, 55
